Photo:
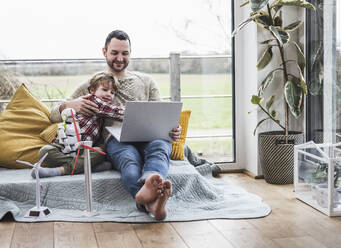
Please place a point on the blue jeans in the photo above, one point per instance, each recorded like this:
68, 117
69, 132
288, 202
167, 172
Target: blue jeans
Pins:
137, 161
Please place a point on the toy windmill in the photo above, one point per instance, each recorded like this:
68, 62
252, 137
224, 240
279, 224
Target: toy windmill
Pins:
87, 166
37, 211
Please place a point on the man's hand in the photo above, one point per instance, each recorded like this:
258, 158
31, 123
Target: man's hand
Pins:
81, 105
175, 133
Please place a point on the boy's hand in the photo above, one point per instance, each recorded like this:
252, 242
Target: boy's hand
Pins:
175, 133
120, 113
81, 105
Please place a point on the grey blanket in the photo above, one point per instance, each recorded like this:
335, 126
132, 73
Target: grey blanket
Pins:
196, 196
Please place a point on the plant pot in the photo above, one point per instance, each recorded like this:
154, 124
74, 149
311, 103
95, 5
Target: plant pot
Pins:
276, 157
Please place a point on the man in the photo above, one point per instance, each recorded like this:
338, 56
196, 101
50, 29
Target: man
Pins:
143, 165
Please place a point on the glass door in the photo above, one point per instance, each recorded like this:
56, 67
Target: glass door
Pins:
323, 118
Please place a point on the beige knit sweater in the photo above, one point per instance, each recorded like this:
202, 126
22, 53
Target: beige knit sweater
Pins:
134, 86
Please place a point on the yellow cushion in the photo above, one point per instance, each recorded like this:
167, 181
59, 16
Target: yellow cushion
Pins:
49, 133
178, 146
21, 124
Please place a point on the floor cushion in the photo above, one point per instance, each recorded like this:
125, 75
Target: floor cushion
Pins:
21, 125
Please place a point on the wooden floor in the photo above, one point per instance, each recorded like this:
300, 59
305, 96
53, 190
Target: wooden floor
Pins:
290, 224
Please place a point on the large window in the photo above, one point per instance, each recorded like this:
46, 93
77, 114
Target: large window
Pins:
54, 46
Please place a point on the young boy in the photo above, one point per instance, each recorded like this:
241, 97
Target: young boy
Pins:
60, 159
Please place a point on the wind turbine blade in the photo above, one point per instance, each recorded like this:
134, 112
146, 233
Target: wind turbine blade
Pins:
25, 162
91, 148
42, 159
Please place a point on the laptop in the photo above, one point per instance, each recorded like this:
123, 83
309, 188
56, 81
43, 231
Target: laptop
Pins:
147, 121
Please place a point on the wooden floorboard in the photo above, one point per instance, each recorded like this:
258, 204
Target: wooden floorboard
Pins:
201, 234
299, 242
116, 235
37, 235
72, 235
6, 233
158, 235
291, 224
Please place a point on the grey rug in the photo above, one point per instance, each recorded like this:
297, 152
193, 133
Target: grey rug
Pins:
196, 196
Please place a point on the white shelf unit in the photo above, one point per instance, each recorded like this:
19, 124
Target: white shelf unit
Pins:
317, 175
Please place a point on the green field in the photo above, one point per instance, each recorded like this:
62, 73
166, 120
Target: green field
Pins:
207, 114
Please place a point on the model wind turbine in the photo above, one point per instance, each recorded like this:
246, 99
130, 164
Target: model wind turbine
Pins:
87, 166
37, 211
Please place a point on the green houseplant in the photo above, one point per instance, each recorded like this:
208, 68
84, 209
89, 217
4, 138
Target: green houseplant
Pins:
267, 14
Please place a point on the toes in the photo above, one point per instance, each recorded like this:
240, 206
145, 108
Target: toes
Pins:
157, 185
156, 181
156, 177
167, 184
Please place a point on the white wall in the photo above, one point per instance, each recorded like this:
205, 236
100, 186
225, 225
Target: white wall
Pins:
245, 86
247, 77
290, 15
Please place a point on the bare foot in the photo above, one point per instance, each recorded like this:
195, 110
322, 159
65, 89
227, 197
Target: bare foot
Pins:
158, 207
150, 190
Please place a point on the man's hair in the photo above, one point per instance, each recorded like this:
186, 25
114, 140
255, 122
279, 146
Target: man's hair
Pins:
100, 79
118, 34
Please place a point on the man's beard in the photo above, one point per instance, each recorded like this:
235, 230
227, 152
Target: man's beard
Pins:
112, 67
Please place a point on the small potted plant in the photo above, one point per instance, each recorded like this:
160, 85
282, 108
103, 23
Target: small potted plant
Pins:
276, 151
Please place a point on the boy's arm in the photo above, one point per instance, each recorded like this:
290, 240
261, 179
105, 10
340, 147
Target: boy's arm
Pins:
108, 110
76, 101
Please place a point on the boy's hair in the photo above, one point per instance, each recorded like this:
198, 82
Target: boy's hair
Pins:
100, 79
118, 34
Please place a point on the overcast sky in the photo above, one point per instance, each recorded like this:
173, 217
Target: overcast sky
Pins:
77, 29
338, 21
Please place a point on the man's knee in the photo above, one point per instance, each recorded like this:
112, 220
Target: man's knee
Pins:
122, 156
156, 146
131, 174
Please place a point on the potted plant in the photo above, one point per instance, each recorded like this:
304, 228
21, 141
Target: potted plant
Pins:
276, 151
